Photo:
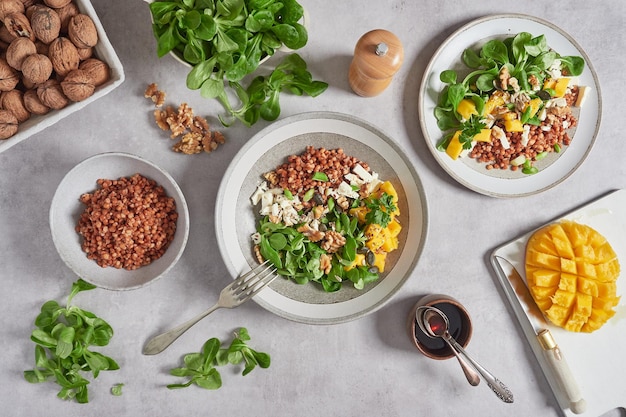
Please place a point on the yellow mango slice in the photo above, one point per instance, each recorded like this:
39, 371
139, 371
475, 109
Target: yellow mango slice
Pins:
379, 261
534, 105
483, 136
466, 108
358, 261
514, 125
560, 87
495, 100
455, 147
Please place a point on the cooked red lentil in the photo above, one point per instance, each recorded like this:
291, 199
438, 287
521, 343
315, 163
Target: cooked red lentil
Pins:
127, 223
295, 174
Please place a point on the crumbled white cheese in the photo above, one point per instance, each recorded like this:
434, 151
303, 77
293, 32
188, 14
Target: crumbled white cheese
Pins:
346, 190
501, 136
361, 172
525, 135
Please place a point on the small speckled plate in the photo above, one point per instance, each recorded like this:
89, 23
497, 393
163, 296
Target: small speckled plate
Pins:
66, 209
236, 218
553, 169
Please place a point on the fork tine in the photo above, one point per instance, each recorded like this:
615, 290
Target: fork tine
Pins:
250, 289
250, 274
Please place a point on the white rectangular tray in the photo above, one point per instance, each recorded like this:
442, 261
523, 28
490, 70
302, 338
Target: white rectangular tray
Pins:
598, 359
104, 51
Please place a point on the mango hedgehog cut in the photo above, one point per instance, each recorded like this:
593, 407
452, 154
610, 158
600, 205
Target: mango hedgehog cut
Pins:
571, 271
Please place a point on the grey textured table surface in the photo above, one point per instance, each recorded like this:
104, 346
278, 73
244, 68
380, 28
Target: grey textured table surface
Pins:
361, 368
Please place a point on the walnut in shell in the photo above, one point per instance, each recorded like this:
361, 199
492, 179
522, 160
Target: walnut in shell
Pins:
8, 124
65, 14
10, 6
33, 104
82, 31
36, 68
18, 50
51, 94
77, 85
55, 4
63, 55
98, 70
13, 101
46, 23
19, 25
9, 77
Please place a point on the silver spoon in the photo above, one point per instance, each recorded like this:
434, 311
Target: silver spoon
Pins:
472, 376
437, 325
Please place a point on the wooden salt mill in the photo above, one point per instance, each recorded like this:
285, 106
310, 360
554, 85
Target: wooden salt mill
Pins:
378, 55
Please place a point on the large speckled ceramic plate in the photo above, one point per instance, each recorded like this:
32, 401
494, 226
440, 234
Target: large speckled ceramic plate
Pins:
505, 183
236, 217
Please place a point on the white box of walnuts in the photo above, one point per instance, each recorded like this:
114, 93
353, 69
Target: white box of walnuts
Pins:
104, 51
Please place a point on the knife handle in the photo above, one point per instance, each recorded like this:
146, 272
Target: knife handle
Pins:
564, 376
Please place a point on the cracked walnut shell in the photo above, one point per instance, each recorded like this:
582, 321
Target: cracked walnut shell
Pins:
18, 25
63, 55
82, 31
77, 85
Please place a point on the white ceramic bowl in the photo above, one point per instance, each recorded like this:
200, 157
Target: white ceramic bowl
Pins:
104, 51
66, 210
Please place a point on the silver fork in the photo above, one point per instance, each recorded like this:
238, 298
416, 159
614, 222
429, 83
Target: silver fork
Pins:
236, 293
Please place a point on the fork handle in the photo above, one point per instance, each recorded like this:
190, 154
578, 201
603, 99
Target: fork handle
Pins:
159, 343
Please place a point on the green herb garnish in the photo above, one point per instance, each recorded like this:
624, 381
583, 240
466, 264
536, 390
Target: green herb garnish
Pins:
200, 368
63, 338
380, 209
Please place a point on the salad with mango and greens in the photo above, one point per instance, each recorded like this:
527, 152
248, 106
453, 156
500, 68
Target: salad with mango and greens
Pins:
516, 104
330, 223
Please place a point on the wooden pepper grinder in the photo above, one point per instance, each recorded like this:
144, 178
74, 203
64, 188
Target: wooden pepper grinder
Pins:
378, 55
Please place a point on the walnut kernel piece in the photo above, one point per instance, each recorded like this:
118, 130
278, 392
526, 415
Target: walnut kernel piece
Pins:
77, 85
64, 56
51, 94
9, 77
33, 104
8, 124
46, 23
36, 68
157, 96
98, 70
19, 26
13, 101
18, 50
82, 31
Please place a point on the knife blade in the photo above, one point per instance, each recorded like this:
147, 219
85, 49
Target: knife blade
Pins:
550, 349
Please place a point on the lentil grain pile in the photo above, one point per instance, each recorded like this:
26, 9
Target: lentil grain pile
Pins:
295, 175
127, 223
